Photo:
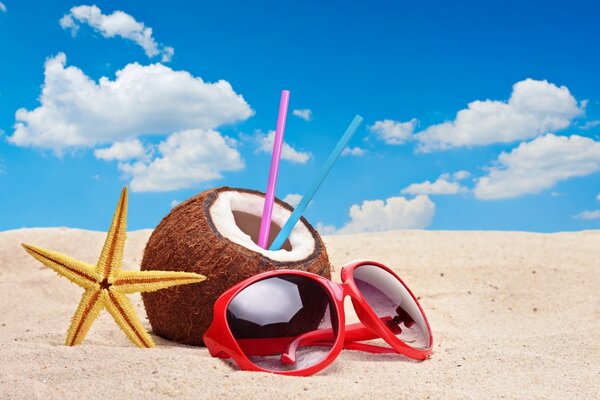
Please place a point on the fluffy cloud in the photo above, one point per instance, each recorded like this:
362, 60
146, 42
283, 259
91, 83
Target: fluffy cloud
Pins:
445, 184
2, 7
589, 215
353, 151
394, 132
538, 165
390, 214
116, 24
534, 108
324, 229
305, 114
593, 214
460, 175
265, 145
293, 199
76, 111
589, 125
122, 151
187, 158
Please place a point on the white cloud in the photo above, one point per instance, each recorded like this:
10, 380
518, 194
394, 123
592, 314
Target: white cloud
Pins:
443, 185
538, 165
390, 214
116, 24
265, 145
167, 54
122, 151
353, 151
305, 114
293, 199
534, 108
325, 229
175, 203
598, 197
76, 111
595, 214
394, 132
590, 125
187, 158
460, 175
2, 7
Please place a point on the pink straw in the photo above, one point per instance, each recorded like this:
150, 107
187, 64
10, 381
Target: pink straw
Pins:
265, 223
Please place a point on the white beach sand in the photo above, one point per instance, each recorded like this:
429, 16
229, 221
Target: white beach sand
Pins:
514, 315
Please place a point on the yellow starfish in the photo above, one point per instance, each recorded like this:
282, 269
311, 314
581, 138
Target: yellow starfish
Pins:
106, 284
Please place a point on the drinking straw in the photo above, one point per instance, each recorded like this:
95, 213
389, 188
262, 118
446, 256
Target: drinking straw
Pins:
293, 219
265, 222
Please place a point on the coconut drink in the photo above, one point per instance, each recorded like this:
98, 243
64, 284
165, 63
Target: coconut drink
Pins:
215, 234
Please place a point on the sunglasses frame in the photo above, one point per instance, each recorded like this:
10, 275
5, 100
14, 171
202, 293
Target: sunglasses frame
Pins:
221, 343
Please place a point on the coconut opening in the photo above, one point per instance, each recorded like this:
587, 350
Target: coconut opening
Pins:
250, 225
236, 215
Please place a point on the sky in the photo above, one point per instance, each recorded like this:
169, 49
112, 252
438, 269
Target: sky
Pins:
477, 115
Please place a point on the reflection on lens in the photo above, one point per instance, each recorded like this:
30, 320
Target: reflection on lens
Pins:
284, 323
392, 302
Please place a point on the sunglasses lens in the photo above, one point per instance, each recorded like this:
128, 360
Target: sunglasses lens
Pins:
394, 304
284, 323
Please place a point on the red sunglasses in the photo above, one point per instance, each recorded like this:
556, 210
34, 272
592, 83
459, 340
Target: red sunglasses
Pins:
291, 322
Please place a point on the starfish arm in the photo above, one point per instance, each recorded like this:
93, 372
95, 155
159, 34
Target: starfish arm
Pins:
121, 309
76, 271
88, 310
112, 252
149, 281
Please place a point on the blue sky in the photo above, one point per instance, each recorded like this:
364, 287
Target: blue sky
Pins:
477, 115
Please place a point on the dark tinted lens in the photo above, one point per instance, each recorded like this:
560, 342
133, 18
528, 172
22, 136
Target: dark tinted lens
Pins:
392, 302
273, 316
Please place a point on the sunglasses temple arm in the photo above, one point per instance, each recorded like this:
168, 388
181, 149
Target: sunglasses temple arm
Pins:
353, 333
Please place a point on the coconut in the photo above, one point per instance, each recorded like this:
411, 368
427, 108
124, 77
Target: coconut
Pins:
215, 233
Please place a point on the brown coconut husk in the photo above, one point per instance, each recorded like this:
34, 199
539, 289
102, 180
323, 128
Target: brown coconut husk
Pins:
187, 240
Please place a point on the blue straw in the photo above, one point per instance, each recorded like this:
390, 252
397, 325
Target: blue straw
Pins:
293, 219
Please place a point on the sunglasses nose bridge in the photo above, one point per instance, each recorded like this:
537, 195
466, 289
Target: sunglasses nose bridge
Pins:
339, 290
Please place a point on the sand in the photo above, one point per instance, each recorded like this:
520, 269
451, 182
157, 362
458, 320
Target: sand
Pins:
514, 315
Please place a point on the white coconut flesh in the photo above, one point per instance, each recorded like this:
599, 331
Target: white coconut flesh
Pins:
236, 215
